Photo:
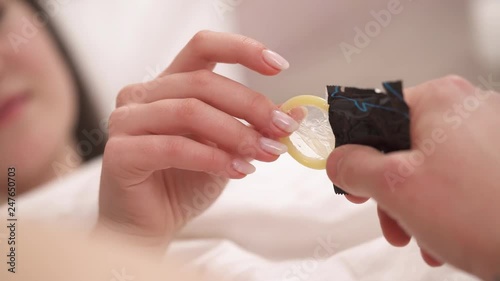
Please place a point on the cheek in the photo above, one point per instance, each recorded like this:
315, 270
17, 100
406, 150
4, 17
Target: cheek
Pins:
50, 116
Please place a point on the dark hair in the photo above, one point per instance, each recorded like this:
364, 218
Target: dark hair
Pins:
88, 120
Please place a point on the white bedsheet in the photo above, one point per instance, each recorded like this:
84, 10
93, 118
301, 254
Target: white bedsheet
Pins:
282, 223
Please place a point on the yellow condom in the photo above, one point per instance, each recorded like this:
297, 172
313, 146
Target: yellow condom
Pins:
313, 142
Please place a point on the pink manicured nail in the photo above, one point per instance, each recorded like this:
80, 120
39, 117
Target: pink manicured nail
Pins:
243, 167
272, 146
275, 60
284, 121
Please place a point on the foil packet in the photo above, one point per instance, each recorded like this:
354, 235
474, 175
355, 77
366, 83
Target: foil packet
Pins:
370, 117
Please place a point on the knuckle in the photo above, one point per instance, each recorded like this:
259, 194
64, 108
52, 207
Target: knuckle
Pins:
174, 146
391, 164
249, 42
154, 147
214, 159
125, 95
257, 102
187, 108
459, 82
116, 117
447, 90
201, 78
245, 145
245, 141
437, 92
200, 37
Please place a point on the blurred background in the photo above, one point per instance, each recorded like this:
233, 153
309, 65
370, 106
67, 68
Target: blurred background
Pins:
120, 42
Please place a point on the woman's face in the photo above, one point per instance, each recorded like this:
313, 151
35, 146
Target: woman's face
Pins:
37, 98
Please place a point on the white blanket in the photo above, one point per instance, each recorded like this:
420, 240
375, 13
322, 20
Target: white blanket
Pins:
282, 223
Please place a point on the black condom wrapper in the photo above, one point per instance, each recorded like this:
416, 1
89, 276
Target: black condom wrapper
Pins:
370, 117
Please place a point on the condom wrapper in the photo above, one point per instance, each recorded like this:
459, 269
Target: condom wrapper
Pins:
370, 117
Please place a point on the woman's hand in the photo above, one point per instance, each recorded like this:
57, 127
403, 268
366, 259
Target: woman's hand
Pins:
445, 192
174, 142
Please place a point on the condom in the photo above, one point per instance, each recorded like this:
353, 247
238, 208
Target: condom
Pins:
350, 116
313, 141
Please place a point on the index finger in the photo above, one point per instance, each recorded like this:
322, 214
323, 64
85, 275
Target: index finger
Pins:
207, 48
449, 86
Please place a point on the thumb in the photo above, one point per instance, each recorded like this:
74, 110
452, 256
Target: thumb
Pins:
365, 172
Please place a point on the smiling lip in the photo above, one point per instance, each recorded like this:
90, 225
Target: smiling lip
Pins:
10, 107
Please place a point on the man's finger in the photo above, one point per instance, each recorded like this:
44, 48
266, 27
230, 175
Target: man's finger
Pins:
365, 172
430, 260
357, 169
356, 199
438, 89
392, 231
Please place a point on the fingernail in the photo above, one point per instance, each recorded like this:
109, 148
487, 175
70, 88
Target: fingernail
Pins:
275, 60
243, 167
284, 121
272, 146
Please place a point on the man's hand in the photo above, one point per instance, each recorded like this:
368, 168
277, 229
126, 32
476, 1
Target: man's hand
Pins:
445, 191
